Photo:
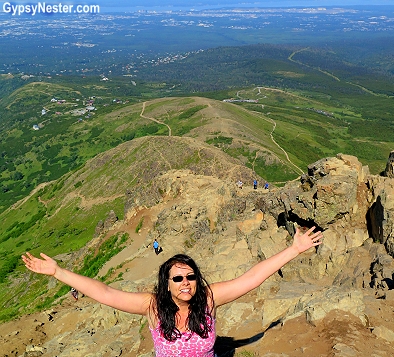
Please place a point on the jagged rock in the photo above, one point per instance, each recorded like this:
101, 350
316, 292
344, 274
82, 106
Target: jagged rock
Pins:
384, 332
336, 195
283, 301
381, 212
354, 272
232, 209
236, 229
342, 350
268, 242
99, 228
201, 228
383, 272
118, 329
335, 188
110, 220
231, 259
389, 170
249, 225
318, 305
232, 315
292, 300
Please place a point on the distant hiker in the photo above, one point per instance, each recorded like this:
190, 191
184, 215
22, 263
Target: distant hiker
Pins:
156, 247
74, 294
266, 186
240, 184
255, 184
181, 309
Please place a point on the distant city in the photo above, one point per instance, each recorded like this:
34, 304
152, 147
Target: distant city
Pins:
162, 5
120, 43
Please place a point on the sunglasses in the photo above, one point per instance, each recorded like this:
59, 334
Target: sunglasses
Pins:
179, 278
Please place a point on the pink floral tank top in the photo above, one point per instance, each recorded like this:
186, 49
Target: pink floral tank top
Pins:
185, 346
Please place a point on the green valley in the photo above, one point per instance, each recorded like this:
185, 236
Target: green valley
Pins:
74, 148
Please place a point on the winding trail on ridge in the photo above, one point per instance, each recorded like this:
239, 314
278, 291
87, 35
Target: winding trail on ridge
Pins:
273, 122
36, 189
153, 119
298, 169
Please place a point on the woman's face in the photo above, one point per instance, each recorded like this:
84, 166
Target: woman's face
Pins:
184, 290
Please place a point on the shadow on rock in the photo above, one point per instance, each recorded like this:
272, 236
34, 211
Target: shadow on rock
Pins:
225, 346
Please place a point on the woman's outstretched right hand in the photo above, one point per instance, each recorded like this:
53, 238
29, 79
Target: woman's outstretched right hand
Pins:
46, 266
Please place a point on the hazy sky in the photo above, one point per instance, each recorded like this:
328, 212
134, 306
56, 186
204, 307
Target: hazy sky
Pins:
201, 4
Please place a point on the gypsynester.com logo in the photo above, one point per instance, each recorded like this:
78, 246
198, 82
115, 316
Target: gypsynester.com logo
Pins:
48, 9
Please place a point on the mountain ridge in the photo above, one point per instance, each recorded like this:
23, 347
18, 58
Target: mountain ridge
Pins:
341, 292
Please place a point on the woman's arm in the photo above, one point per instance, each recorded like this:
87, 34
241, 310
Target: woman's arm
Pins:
227, 291
134, 303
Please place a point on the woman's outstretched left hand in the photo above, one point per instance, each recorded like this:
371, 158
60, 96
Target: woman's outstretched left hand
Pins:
309, 239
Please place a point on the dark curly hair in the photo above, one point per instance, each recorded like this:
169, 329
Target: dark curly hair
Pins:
200, 317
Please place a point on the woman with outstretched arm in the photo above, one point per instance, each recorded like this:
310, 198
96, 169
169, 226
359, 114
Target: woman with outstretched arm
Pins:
181, 309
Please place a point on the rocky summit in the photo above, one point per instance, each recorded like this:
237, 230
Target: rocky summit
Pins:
335, 300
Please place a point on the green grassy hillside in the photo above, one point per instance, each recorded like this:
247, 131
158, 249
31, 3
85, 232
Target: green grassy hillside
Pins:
62, 216
68, 134
308, 125
100, 143
274, 137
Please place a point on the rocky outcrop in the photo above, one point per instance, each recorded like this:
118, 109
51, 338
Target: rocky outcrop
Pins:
337, 195
110, 220
350, 276
389, 170
333, 190
310, 300
381, 212
104, 226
